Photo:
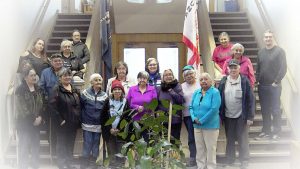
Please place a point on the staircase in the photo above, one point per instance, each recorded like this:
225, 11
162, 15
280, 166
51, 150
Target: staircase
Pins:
64, 26
237, 25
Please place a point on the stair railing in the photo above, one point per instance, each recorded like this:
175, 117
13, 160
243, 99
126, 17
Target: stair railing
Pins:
93, 43
207, 41
10, 99
268, 25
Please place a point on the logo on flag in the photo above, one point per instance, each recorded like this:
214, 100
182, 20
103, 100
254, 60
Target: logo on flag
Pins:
190, 33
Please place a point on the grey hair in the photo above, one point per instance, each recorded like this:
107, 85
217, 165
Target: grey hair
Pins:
238, 45
64, 71
95, 75
143, 74
207, 75
224, 34
64, 42
184, 73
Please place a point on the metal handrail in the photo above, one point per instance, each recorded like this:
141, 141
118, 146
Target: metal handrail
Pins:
268, 25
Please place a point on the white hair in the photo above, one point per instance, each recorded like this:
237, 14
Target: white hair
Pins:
95, 75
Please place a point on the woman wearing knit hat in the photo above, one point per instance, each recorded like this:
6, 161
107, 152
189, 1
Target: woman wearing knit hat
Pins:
117, 106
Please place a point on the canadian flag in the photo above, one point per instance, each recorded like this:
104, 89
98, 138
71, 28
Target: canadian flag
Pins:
190, 33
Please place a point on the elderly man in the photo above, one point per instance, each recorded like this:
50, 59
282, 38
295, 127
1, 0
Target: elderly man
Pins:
237, 112
271, 68
94, 104
49, 79
79, 48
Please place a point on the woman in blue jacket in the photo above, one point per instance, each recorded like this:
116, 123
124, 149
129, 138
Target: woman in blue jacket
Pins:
204, 110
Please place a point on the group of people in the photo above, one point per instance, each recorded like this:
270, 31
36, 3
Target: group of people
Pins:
207, 106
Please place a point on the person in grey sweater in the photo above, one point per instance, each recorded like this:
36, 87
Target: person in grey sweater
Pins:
79, 48
271, 68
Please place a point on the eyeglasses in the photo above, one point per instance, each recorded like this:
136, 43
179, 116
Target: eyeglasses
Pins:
152, 64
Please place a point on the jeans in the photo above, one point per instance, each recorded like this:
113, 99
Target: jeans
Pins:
91, 141
191, 136
269, 97
28, 139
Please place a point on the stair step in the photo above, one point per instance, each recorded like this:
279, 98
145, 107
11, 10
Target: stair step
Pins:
246, 44
239, 37
226, 26
71, 27
229, 20
67, 33
234, 32
59, 39
227, 14
262, 153
73, 16
72, 21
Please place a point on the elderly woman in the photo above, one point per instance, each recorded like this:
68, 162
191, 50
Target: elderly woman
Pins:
121, 74
204, 110
66, 103
93, 107
171, 90
188, 87
29, 102
246, 67
36, 56
223, 51
70, 60
140, 94
152, 67
237, 112
117, 105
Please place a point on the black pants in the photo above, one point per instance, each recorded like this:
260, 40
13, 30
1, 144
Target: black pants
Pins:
191, 137
65, 144
236, 129
114, 146
28, 141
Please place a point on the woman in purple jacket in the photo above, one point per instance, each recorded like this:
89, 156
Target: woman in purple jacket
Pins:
139, 95
171, 90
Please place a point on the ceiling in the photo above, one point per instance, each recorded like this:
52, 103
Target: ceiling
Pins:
148, 17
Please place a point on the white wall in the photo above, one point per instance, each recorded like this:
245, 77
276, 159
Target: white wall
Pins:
286, 27
17, 19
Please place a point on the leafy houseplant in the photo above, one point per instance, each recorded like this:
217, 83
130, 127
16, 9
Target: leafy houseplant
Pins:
158, 152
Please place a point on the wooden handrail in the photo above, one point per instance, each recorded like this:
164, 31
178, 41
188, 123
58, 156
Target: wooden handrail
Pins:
268, 25
207, 41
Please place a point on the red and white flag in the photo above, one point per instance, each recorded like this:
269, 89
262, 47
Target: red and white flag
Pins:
190, 33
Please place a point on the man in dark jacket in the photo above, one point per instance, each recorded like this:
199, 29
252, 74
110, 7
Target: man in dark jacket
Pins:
237, 112
79, 48
271, 68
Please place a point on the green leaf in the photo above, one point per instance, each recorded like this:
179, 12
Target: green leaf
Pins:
130, 156
137, 126
141, 146
152, 105
106, 162
132, 137
110, 120
165, 103
125, 147
123, 123
146, 162
177, 107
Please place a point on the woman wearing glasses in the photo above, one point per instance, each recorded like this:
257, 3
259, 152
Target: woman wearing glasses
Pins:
204, 110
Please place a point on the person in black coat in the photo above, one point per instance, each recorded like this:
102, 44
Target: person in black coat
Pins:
66, 103
29, 109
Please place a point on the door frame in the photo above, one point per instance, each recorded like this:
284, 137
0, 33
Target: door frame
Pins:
119, 41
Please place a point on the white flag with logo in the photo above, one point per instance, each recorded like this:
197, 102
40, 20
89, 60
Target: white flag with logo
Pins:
190, 33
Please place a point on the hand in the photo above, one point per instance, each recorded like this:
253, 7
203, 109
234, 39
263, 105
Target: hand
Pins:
37, 121
249, 122
62, 123
274, 84
197, 121
114, 131
140, 109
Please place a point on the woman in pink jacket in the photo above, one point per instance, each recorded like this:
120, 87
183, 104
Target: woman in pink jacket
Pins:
246, 67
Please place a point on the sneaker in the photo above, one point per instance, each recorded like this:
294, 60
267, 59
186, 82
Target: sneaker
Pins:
244, 164
262, 136
191, 163
275, 137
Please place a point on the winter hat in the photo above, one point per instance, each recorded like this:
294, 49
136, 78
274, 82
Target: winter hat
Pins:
187, 67
117, 84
